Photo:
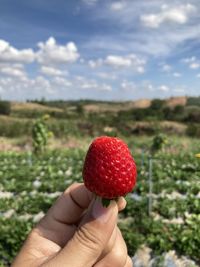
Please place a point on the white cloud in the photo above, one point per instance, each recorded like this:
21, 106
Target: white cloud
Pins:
194, 65
189, 60
198, 75
91, 84
105, 87
118, 62
150, 88
116, 6
1, 89
177, 74
107, 75
128, 86
90, 2
41, 81
131, 36
50, 71
166, 68
10, 54
26, 88
13, 70
179, 15
180, 90
52, 53
10, 71
62, 81
192, 62
163, 88
49, 52
95, 63
133, 61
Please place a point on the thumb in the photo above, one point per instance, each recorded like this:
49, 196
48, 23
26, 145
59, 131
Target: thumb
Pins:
91, 237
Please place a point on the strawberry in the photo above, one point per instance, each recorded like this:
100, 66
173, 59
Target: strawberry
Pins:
109, 169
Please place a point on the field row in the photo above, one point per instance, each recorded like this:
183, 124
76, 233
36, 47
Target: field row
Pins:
29, 186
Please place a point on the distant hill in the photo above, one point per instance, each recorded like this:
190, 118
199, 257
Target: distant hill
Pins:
93, 106
176, 101
18, 106
175, 115
138, 104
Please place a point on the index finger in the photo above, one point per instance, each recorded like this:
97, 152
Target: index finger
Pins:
71, 204
59, 224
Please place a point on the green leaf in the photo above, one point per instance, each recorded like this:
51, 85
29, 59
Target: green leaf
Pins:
105, 202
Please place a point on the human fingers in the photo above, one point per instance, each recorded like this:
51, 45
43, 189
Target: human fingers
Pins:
58, 225
129, 262
118, 254
70, 205
91, 237
121, 203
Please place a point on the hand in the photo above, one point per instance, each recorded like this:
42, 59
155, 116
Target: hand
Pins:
77, 231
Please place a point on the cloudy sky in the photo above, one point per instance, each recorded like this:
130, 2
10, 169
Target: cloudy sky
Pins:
99, 49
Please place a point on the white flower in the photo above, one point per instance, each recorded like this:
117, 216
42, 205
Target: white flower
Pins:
8, 213
67, 182
68, 172
60, 172
187, 215
6, 195
38, 217
37, 183
23, 193
58, 159
136, 197
53, 195
174, 221
25, 217
33, 193
13, 167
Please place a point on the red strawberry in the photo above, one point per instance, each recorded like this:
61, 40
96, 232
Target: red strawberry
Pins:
109, 169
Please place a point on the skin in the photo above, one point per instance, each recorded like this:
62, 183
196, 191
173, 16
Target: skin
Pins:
77, 231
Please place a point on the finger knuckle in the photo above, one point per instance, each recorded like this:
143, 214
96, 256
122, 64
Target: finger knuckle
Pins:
88, 239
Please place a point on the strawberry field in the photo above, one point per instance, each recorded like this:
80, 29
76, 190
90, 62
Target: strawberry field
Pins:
163, 214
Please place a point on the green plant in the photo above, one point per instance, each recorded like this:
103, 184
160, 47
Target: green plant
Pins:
40, 135
158, 142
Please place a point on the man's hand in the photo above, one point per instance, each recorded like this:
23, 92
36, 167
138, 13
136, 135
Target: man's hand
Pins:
77, 231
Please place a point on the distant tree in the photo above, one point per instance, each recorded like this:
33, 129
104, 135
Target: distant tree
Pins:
193, 130
79, 109
157, 104
192, 114
193, 101
168, 113
178, 109
175, 114
5, 107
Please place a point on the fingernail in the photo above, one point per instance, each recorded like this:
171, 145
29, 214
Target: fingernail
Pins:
101, 213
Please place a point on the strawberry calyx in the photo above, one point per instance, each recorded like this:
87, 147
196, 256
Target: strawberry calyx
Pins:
106, 201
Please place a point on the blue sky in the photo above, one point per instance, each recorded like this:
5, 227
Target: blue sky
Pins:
99, 49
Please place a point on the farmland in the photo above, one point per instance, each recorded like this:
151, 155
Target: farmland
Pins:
30, 184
